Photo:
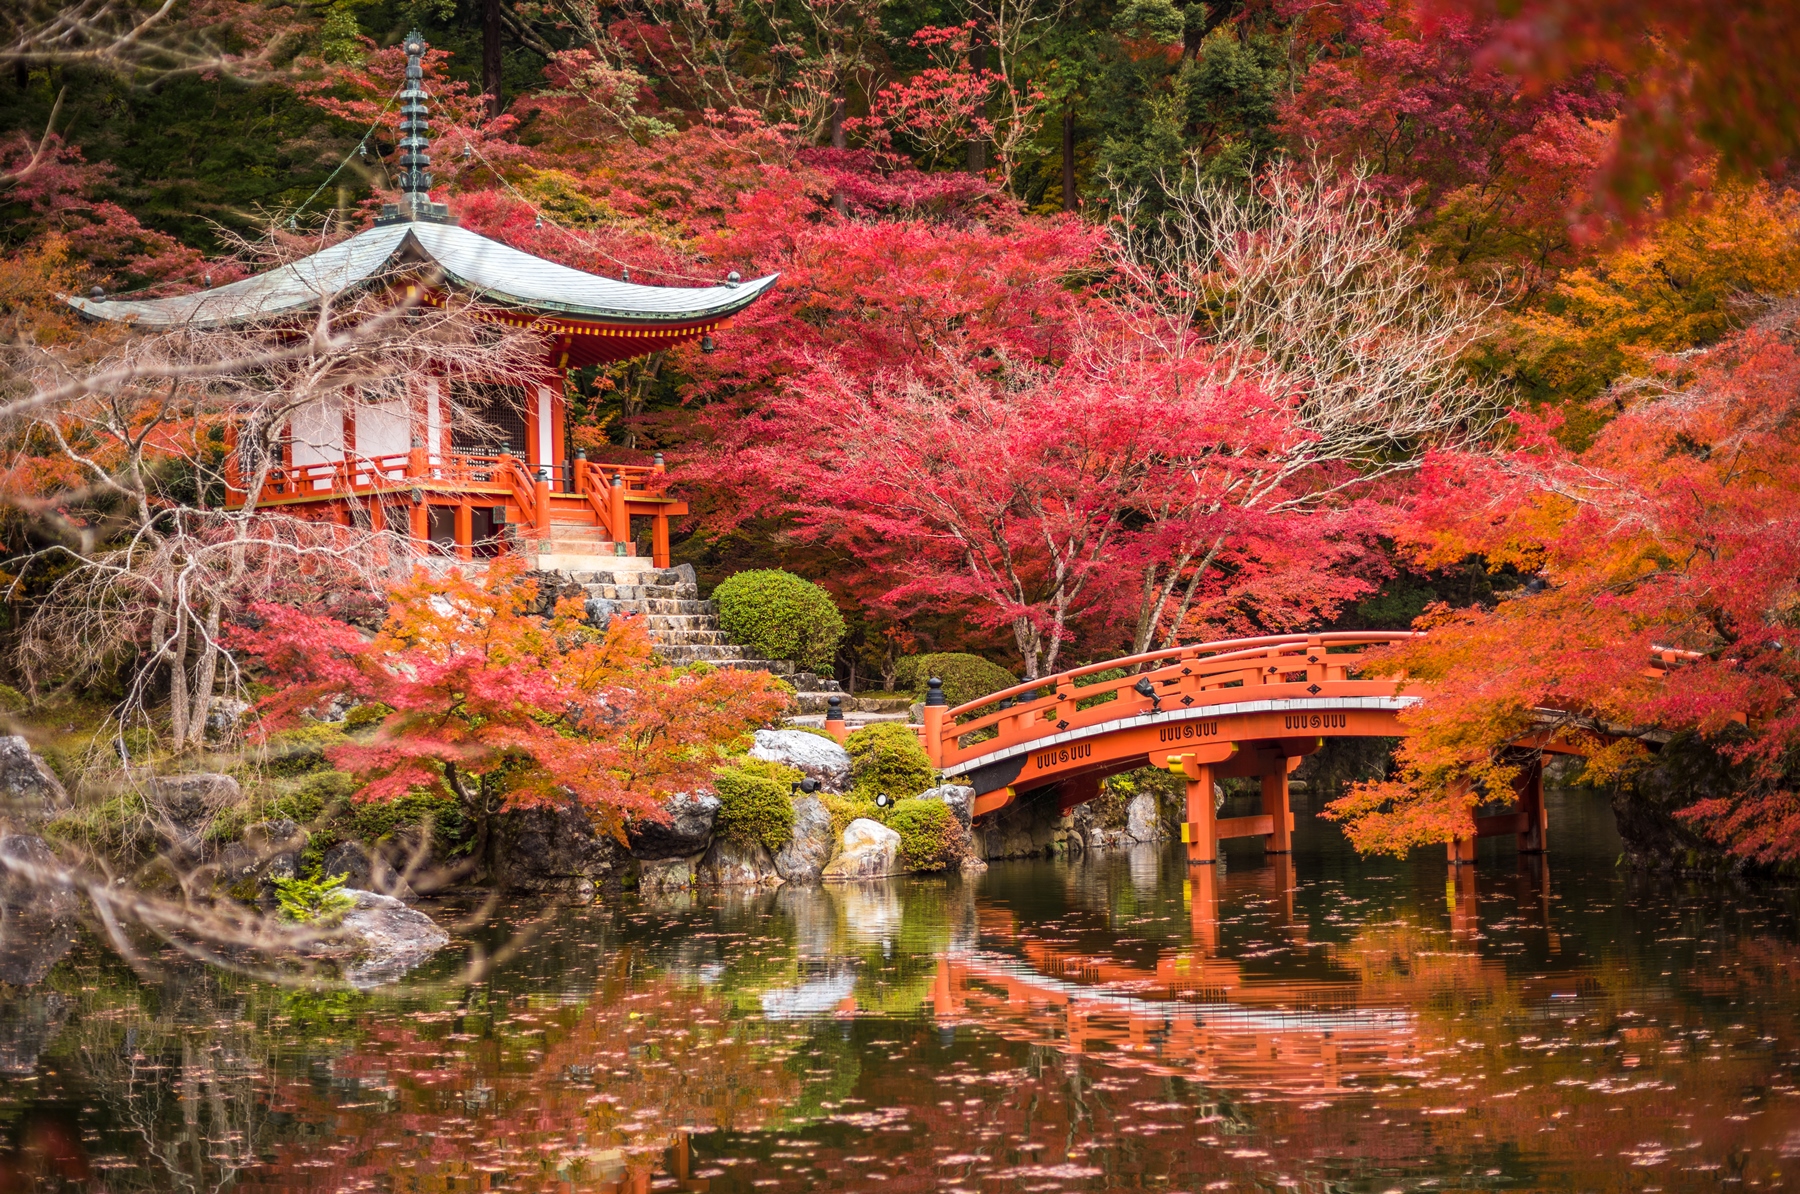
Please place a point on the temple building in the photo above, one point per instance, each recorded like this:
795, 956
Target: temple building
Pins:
463, 486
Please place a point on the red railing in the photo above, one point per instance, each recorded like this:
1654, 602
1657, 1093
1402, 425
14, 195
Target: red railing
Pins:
1277, 666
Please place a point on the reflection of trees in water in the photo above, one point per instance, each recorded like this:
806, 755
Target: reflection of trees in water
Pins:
588, 1091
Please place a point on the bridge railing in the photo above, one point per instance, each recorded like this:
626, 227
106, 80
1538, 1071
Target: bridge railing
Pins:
1284, 665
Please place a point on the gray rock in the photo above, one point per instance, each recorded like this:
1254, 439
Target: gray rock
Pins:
270, 850
802, 859
600, 612
331, 710
1032, 826
961, 800
30, 793
812, 755
366, 868
871, 851
389, 937
1143, 821
184, 805
225, 717
553, 851
738, 864
688, 830
668, 875
36, 910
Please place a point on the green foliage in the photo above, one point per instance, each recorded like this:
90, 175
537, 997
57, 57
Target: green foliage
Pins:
297, 751
1111, 673
366, 715
887, 757
845, 809
780, 616
12, 700
930, 836
754, 805
966, 677
373, 820
313, 901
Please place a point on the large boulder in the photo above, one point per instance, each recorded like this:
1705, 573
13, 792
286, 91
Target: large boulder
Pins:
730, 863
37, 910
184, 805
388, 938
367, 868
553, 851
1031, 826
688, 830
1143, 820
663, 876
871, 851
802, 859
808, 753
30, 793
959, 797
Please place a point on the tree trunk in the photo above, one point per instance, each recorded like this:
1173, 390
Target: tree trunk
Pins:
1070, 202
205, 675
978, 157
838, 141
490, 54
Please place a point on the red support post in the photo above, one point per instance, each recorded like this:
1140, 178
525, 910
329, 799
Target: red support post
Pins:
1200, 830
465, 530
659, 543
1534, 838
1275, 804
617, 514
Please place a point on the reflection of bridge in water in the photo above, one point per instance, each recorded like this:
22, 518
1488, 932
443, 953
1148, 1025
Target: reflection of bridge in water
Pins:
1212, 1019
1246, 708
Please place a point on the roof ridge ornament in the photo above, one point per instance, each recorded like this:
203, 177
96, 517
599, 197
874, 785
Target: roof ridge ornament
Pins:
415, 146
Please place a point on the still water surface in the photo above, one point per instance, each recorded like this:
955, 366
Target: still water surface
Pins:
1329, 1024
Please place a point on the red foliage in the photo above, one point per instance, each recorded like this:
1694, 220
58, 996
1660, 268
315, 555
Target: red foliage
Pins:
1679, 528
1501, 168
481, 689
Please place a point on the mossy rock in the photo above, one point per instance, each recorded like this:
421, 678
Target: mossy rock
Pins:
966, 677
930, 835
780, 616
845, 809
887, 757
300, 750
754, 802
361, 717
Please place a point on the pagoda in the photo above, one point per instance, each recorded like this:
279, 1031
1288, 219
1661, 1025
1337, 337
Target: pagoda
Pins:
504, 480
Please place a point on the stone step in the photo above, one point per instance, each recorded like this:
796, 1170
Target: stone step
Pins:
697, 636
680, 621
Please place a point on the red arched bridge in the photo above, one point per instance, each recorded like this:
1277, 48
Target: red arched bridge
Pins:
1249, 708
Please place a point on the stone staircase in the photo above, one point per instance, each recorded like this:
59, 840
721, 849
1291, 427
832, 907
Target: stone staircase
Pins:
686, 630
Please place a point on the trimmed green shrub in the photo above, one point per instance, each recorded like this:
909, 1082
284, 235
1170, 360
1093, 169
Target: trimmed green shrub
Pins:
966, 677
754, 805
780, 616
887, 757
845, 809
930, 837
297, 751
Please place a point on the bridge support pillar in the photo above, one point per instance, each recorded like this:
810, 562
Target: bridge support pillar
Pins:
1200, 830
1275, 806
1530, 787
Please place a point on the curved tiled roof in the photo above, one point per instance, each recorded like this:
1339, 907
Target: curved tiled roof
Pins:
467, 260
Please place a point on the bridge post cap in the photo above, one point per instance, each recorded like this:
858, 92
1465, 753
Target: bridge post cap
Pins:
834, 708
934, 691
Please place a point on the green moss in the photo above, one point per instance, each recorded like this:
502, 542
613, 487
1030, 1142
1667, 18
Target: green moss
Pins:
12, 700
845, 809
930, 836
297, 751
966, 677
373, 820
780, 616
887, 757
364, 716
754, 805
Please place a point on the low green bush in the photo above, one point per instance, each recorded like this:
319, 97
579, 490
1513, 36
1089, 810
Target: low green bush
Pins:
780, 616
12, 700
313, 901
373, 820
845, 809
297, 751
887, 757
930, 836
966, 677
754, 805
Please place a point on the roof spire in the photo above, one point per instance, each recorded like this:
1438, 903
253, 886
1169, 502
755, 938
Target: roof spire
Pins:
415, 147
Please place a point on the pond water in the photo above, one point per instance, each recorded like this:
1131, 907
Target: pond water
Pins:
1109, 1024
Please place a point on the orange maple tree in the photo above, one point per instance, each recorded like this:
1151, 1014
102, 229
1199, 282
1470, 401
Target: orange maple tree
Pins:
506, 708
1674, 537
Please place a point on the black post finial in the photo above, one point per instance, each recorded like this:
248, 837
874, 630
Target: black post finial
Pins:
934, 691
834, 708
415, 158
